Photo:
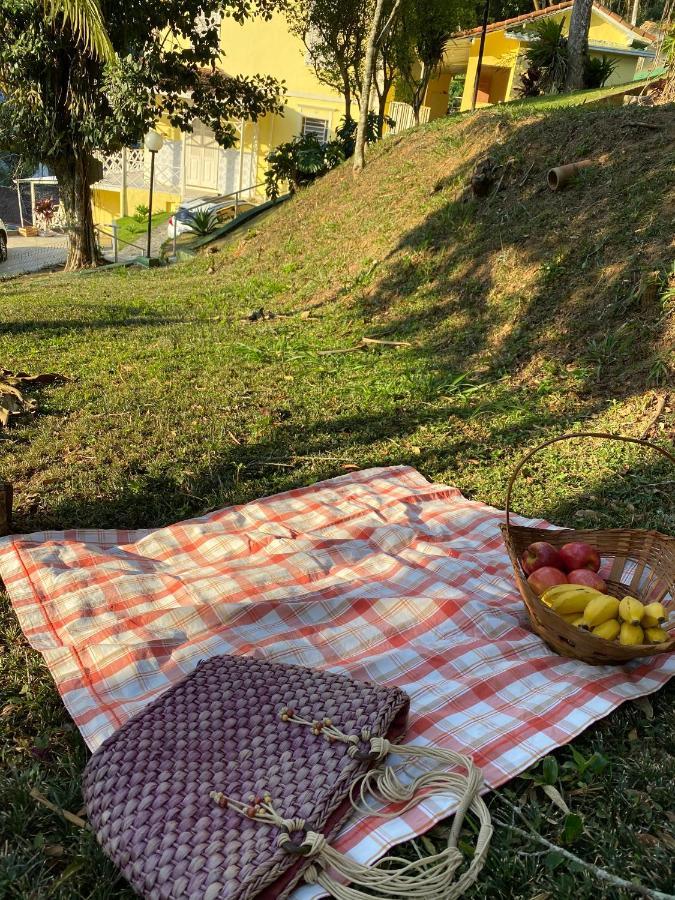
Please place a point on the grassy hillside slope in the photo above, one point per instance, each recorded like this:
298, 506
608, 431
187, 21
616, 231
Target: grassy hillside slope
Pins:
518, 317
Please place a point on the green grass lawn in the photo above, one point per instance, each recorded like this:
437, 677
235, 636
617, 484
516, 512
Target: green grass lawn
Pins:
134, 232
522, 317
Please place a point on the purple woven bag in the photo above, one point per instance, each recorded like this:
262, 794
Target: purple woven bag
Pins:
233, 782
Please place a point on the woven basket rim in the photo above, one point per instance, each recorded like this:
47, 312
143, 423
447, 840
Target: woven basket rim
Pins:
562, 636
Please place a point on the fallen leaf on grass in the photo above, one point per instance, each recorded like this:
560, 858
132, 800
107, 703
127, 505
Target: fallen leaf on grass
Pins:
647, 840
644, 706
12, 399
555, 797
666, 839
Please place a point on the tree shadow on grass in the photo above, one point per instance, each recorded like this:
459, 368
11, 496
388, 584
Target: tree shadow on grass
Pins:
577, 291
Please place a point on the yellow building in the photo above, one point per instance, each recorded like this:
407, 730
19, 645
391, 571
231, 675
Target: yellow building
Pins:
627, 46
194, 165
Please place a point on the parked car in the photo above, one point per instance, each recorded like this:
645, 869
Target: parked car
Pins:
222, 206
3, 242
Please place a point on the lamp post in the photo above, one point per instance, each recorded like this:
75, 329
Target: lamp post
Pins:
486, 13
153, 143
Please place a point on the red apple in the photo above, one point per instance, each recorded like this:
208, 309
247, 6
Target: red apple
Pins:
544, 578
578, 555
590, 579
538, 555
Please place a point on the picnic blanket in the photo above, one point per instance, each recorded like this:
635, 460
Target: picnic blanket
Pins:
378, 574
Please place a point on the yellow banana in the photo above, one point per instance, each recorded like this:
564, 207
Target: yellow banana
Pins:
656, 635
572, 618
609, 630
631, 634
600, 608
654, 614
569, 602
548, 596
631, 610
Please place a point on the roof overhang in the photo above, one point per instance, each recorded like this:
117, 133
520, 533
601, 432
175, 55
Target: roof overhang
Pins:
456, 56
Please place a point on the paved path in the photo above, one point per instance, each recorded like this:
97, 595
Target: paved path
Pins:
33, 254
157, 238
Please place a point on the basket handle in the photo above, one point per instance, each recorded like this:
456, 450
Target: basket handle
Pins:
567, 437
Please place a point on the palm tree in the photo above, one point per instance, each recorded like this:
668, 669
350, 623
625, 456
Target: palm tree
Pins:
86, 21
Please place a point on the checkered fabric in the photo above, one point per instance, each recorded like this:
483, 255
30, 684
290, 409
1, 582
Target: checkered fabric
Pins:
377, 574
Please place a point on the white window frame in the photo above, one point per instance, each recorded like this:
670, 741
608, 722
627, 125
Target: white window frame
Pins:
314, 128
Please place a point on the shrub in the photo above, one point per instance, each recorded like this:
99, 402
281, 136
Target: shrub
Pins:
530, 83
597, 70
203, 221
304, 159
141, 214
547, 52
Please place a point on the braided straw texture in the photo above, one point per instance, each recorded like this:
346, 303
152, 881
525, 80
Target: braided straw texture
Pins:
147, 787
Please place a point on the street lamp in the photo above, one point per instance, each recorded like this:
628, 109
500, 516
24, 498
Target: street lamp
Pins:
153, 143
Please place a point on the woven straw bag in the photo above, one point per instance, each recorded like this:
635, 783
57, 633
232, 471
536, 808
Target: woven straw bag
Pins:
232, 784
642, 566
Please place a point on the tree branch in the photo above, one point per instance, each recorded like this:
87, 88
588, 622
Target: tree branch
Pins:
597, 871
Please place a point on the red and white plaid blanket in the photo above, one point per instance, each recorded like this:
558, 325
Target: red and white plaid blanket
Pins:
378, 574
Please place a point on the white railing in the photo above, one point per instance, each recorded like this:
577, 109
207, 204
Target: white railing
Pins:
404, 116
131, 168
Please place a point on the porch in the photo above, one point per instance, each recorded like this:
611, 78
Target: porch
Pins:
190, 166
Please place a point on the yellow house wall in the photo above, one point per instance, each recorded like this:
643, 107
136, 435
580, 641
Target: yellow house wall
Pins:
268, 48
437, 96
502, 52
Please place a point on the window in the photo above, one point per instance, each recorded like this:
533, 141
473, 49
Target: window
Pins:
317, 127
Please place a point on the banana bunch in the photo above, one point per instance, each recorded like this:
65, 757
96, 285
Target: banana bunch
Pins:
627, 620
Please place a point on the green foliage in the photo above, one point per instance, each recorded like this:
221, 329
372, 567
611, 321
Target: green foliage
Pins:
335, 37
597, 70
203, 221
304, 159
547, 53
63, 112
86, 21
419, 35
530, 81
142, 213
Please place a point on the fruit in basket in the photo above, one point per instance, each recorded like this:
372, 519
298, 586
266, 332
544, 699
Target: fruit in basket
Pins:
609, 630
578, 555
573, 619
654, 614
549, 595
656, 635
572, 602
588, 578
544, 578
538, 555
631, 634
599, 609
631, 610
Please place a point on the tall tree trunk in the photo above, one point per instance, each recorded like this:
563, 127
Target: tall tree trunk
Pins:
347, 94
381, 107
375, 35
72, 173
634, 12
577, 44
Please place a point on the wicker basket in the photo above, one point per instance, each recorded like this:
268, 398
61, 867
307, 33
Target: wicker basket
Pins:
642, 565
